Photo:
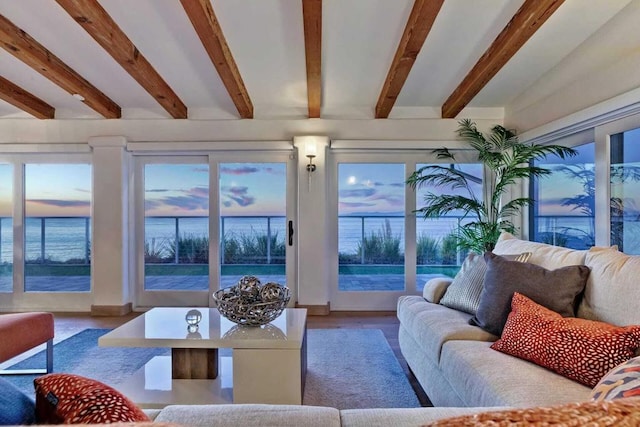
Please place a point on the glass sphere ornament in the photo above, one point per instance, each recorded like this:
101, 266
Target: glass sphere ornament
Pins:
193, 317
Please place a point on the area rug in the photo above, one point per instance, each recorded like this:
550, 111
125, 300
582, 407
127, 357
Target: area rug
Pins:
346, 368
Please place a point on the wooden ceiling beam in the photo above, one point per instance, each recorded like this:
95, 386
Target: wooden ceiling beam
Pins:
104, 30
28, 50
312, 17
420, 21
204, 21
527, 20
25, 101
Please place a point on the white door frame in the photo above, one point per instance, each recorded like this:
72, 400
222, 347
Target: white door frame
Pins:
146, 298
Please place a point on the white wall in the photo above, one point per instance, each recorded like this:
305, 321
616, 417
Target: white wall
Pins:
69, 131
603, 67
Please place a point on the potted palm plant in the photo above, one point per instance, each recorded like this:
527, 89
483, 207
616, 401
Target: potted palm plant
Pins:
507, 159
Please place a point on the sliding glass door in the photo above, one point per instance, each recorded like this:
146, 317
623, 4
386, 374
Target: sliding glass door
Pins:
383, 249
209, 220
176, 226
253, 221
371, 216
624, 180
6, 227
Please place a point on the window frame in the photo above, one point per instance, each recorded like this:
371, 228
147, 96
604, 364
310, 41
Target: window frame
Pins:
19, 299
379, 300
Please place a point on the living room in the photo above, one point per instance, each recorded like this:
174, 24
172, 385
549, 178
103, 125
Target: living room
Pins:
331, 78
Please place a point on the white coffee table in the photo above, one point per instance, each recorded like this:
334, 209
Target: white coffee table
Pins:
265, 364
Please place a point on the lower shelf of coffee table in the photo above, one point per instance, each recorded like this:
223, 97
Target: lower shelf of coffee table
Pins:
152, 386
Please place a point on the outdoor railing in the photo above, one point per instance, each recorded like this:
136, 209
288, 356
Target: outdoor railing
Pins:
64, 239
379, 239
250, 239
63, 234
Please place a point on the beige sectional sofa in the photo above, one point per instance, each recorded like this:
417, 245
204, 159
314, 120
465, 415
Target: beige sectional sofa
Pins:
453, 362
452, 359
255, 415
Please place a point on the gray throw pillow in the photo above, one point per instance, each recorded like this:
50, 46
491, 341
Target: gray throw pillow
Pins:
463, 293
554, 289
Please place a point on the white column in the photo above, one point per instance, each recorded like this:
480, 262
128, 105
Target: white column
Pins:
109, 237
313, 274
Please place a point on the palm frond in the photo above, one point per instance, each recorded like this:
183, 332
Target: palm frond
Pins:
502, 138
437, 205
444, 153
470, 134
509, 160
438, 176
513, 207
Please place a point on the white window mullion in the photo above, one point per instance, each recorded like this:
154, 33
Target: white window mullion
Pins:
214, 226
18, 228
410, 235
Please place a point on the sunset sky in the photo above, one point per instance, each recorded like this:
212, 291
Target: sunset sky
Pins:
50, 189
245, 189
370, 188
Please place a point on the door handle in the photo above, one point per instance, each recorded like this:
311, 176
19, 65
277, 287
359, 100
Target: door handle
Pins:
290, 233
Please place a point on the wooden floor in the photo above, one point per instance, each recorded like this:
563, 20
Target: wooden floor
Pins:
67, 324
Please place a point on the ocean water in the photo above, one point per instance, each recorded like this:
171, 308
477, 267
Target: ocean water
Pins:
67, 238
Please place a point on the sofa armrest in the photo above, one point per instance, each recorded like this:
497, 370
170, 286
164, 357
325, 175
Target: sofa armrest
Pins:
435, 288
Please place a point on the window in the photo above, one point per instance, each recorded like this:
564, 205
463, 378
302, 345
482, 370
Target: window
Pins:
57, 227
176, 226
253, 205
436, 250
6, 228
562, 213
625, 191
371, 215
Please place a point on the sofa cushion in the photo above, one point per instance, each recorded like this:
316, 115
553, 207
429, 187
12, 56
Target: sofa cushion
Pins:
612, 292
622, 412
431, 325
73, 399
378, 417
16, 408
435, 288
464, 292
547, 256
554, 289
485, 377
579, 349
621, 381
248, 415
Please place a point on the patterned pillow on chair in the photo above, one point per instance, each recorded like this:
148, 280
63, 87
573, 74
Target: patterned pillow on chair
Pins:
621, 381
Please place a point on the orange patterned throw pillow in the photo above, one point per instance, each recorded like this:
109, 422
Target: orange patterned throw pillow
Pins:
579, 349
619, 413
72, 399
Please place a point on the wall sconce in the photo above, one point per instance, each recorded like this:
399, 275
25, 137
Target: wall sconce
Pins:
310, 150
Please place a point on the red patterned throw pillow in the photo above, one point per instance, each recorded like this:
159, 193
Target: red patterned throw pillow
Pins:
579, 349
72, 399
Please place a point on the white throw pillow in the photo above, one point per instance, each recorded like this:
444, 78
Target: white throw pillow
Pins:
613, 288
547, 256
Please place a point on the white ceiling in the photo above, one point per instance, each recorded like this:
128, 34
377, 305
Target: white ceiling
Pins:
359, 40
